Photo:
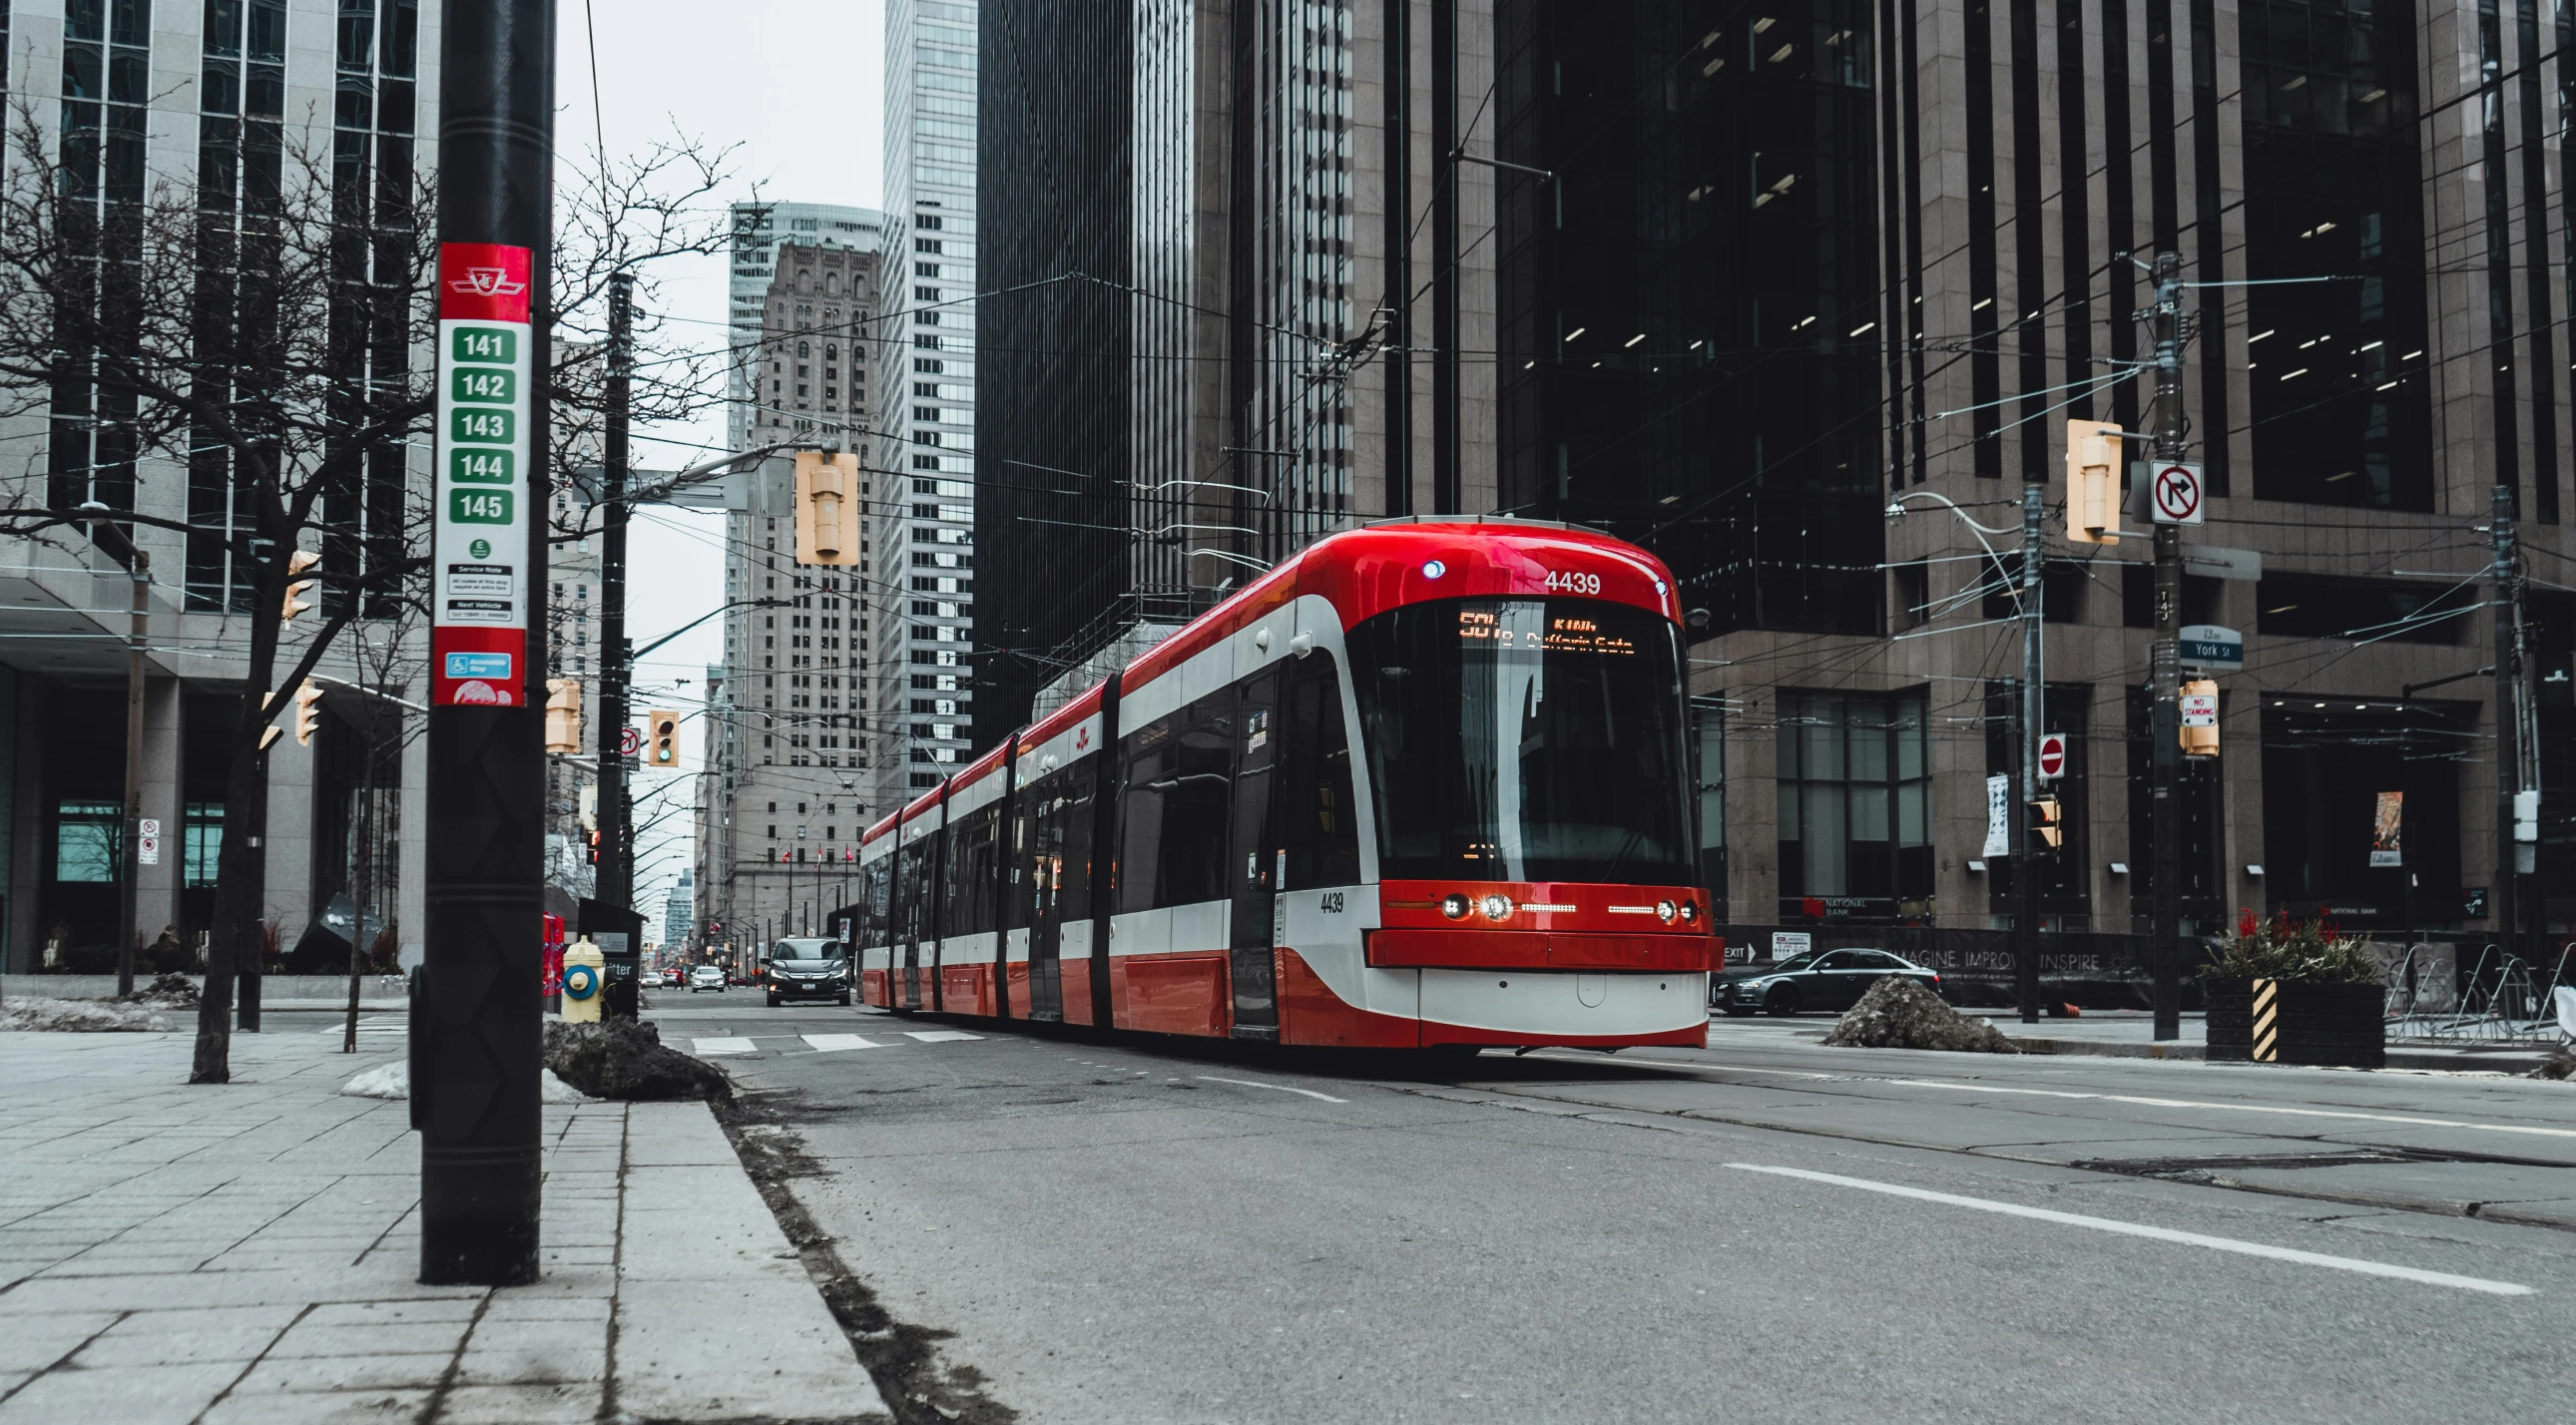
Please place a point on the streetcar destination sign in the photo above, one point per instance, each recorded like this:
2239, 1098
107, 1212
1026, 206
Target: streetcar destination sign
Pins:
479, 545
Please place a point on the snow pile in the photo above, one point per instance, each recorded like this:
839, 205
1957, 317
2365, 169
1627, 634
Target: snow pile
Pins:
81, 1016
170, 991
624, 1058
1899, 1013
394, 1081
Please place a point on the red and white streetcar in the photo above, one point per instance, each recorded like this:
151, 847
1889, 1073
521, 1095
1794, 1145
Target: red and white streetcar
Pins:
1421, 785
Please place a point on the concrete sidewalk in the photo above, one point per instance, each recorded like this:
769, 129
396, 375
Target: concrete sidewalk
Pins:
247, 1253
2131, 1034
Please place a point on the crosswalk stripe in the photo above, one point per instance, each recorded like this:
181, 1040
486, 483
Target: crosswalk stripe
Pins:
939, 1036
826, 1043
709, 1048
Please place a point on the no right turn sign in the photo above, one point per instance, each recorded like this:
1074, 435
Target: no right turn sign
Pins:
2174, 493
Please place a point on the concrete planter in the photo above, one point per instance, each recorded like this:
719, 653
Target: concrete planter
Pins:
2294, 1022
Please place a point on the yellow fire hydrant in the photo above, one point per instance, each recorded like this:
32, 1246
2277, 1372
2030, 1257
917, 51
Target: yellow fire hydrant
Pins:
585, 970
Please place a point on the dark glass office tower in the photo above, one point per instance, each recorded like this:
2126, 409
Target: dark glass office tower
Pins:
1689, 345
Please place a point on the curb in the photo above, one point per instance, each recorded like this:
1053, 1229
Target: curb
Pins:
2505, 1062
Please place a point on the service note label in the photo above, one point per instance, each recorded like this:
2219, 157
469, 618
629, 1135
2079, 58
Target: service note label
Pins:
479, 626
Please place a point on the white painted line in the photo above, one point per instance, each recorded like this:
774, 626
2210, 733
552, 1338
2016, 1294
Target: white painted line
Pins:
826, 1043
1676, 1064
709, 1048
1283, 1088
2408, 1119
939, 1036
2159, 1234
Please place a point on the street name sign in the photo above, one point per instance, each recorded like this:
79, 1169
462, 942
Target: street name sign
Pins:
2207, 645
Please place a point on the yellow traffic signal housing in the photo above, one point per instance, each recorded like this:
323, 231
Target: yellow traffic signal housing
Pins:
563, 715
2093, 482
2199, 718
2045, 829
297, 586
662, 738
308, 712
827, 511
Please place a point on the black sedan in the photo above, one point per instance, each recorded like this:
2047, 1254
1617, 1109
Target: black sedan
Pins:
808, 979
1823, 979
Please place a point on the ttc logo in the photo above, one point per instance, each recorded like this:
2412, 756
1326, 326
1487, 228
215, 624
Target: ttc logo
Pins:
486, 282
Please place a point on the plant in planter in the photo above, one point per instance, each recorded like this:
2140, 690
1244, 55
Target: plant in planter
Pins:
2295, 992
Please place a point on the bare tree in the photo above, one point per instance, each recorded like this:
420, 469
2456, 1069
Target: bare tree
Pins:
287, 335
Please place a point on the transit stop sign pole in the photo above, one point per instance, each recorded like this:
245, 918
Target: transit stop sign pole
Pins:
474, 1029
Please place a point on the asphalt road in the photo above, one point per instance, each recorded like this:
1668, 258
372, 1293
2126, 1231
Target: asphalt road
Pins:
1135, 1230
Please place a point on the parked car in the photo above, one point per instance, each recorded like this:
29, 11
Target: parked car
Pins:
1821, 979
818, 978
707, 977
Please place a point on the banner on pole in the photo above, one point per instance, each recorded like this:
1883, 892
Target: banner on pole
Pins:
1998, 816
479, 543
2388, 831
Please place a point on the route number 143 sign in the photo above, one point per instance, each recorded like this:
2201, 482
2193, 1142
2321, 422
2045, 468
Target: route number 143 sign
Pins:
479, 619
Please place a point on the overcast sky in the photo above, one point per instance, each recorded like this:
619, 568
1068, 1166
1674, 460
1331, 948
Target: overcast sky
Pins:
796, 86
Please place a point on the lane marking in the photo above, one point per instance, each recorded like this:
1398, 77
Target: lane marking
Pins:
2411, 1120
710, 1048
1283, 1088
939, 1036
2158, 1234
1676, 1064
827, 1043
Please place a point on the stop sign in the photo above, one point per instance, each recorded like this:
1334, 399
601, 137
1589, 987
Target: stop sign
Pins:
2052, 755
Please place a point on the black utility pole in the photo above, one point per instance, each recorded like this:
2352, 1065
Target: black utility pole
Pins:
2034, 682
129, 870
1445, 497
2508, 722
475, 1061
614, 887
2164, 667
1399, 257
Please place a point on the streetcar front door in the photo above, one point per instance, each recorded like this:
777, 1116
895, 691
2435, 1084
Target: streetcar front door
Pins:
1254, 858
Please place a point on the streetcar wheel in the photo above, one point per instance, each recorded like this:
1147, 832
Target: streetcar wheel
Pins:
1783, 1000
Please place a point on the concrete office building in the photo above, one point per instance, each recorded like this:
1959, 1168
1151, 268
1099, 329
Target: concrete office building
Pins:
1729, 284
194, 95
786, 787
758, 230
923, 572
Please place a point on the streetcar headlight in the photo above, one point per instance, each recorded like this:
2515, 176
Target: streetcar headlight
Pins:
1454, 906
1664, 911
1496, 907
1690, 911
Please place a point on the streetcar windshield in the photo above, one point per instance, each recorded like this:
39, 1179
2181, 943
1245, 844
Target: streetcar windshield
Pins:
1524, 740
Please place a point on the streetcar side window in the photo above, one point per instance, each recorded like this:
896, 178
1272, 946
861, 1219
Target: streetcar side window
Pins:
1323, 840
873, 885
1180, 772
967, 903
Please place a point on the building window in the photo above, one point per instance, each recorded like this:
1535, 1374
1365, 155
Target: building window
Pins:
86, 842
1855, 805
205, 843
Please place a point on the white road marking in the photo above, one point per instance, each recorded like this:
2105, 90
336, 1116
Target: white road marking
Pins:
2411, 1120
939, 1036
2159, 1234
709, 1048
1679, 1064
826, 1043
1283, 1088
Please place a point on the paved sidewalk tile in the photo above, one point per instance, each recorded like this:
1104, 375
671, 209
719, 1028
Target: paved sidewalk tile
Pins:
246, 1254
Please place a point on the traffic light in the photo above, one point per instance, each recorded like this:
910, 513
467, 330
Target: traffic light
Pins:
827, 524
297, 586
662, 738
2047, 833
563, 715
2093, 482
308, 712
2200, 718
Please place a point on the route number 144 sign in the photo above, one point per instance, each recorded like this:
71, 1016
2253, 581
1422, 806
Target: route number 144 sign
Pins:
479, 619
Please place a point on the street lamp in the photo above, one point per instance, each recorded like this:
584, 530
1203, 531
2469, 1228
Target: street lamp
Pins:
129, 872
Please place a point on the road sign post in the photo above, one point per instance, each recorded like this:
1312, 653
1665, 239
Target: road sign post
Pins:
474, 1012
2052, 756
2174, 493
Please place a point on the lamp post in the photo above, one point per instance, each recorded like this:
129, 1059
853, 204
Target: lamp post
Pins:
129, 860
